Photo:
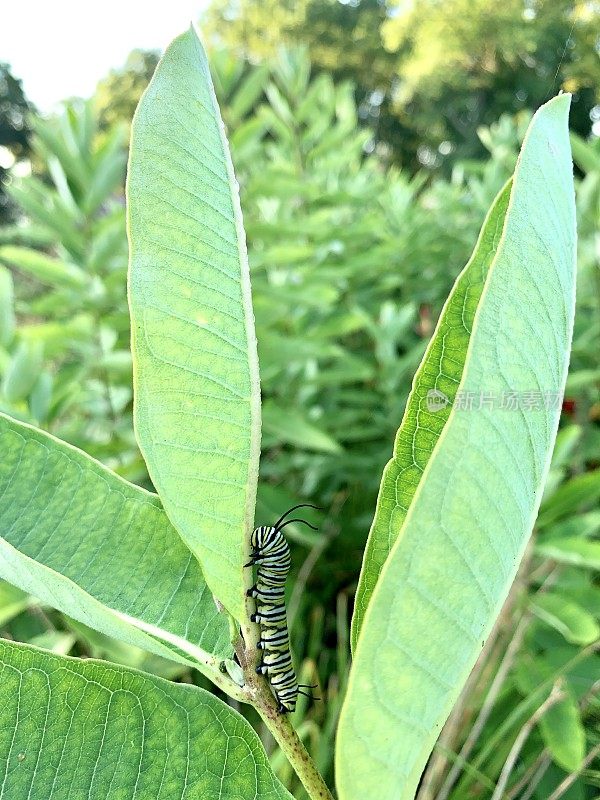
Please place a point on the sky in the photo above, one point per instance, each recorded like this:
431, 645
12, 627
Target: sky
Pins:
60, 48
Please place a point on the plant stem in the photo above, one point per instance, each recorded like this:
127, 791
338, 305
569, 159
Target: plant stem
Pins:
259, 695
456, 720
554, 697
528, 703
572, 777
536, 771
537, 775
291, 745
487, 707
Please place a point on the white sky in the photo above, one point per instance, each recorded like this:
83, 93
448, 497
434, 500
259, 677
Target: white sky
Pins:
61, 48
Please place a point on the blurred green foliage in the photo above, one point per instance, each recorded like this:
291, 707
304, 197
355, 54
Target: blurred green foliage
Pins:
351, 261
67, 365
428, 74
118, 93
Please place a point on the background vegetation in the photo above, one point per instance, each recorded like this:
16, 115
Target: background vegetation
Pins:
367, 153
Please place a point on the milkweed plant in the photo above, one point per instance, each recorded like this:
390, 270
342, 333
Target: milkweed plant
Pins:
185, 573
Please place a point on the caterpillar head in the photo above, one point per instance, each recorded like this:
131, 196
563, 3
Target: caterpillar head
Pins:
266, 534
260, 536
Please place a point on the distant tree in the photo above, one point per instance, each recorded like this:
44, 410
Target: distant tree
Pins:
343, 39
14, 129
428, 74
463, 63
339, 34
118, 94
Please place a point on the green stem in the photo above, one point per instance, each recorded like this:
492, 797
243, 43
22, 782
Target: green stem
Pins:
259, 695
520, 711
205, 662
295, 752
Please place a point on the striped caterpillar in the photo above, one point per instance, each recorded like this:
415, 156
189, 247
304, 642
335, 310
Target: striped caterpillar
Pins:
270, 553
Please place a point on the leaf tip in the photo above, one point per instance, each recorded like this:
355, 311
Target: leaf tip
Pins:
193, 32
560, 103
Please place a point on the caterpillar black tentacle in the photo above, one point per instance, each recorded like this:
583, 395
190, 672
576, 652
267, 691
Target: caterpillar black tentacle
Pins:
270, 553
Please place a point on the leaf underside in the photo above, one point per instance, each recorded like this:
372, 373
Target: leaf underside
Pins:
85, 541
440, 371
453, 561
197, 397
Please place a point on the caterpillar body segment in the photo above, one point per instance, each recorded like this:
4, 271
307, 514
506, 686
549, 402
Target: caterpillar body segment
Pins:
270, 553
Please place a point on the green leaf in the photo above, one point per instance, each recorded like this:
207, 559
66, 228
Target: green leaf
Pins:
28, 234
579, 552
23, 371
109, 171
12, 602
460, 544
7, 308
576, 624
44, 268
56, 641
440, 372
563, 734
567, 440
61, 183
248, 94
41, 205
197, 394
86, 729
56, 336
41, 396
568, 498
92, 545
582, 378
581, 525
70, 159
108, 649
584, 155
290, 427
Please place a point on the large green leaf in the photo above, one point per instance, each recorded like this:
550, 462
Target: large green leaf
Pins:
87, 730
98, 548
461, 541
197, 396
23, 371
423, 422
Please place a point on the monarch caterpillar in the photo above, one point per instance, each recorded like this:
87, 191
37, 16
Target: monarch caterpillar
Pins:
270, 553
